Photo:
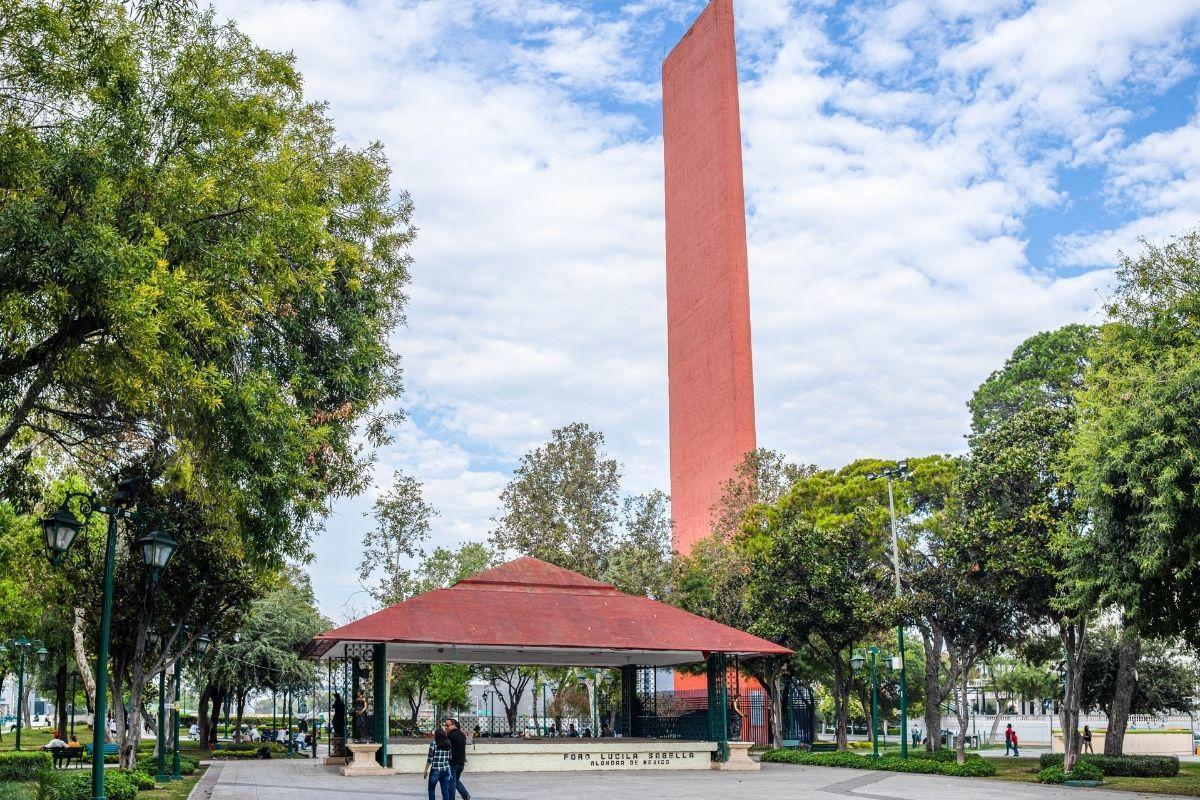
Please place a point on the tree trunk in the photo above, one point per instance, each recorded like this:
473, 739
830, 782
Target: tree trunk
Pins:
959, 672
1072, 633
935, 690
241, 708
1122, 700
62, 718
203, 720
82, 665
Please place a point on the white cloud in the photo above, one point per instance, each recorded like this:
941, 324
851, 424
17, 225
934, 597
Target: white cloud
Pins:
894, 155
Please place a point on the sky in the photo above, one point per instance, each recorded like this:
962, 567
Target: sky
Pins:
927, 184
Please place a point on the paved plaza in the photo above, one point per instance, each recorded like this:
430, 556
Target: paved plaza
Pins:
286, 780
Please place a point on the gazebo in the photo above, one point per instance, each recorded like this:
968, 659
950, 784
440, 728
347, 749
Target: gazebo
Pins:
529, 612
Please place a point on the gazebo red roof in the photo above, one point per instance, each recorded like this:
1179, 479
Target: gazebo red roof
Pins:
530, 612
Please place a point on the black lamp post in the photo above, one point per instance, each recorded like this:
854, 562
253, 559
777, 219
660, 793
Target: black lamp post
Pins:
60, 531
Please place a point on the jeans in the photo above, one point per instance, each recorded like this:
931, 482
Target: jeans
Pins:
443, 777
457, 769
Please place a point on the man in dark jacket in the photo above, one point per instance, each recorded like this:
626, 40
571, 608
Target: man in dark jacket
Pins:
458, 755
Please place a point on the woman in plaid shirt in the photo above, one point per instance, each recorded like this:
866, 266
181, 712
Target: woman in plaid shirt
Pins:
437, 766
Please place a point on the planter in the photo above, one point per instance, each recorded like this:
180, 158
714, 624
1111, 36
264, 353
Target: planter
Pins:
1082, 783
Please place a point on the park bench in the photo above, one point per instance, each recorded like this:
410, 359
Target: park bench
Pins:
823, 747
64, 755
109, 750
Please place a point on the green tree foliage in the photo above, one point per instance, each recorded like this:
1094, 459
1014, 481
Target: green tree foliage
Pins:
564, 505
196, 271
1139, 442
1020, 524
262, 652
819, 576
403, 519
448, 687
1165, 682
563, 502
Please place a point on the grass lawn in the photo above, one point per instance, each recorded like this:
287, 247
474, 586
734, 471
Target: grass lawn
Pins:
1187, 782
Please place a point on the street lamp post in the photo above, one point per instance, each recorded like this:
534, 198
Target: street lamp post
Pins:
857, 662
899, 472
60, 531
22, 645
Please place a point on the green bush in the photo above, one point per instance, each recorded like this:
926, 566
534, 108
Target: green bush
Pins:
1123, 766
141, 779
149, 764
78, 786
1052, 774
929, 764
23, 766
1086, 771
10, 790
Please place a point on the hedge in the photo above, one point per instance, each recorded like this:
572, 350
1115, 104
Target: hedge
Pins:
929, 764
1122, 766
1084, 771
247, 750
22, 766
149, 764
141, 780
77, 785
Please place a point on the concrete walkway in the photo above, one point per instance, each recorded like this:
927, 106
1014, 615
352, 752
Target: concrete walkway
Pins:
287, 780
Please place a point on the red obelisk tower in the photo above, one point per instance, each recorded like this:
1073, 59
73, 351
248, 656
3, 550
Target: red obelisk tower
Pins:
711, 382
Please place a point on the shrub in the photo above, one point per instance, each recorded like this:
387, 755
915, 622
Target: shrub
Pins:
23, 766
149, 764
1123, 766
141, 779
1052, 774
929, 764
78, 786
1086, 771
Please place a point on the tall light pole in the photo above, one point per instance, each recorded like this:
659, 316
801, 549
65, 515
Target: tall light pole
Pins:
899, 472
60, 531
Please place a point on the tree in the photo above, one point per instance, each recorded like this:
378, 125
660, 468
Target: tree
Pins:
183, 231
1135, 454
1021, 525
509, 685
448, 685
818, 577
562, 503
761, 477
403, 519
1165, 681
263, 652
640, 562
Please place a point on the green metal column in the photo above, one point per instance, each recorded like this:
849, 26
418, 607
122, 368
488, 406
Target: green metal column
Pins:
20, 704
874, 705
175, 775
718, 711
100, 727
379, 676
161, 775
629, 699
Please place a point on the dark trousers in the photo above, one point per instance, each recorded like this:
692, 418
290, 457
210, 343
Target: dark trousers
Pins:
444, 778
457, 769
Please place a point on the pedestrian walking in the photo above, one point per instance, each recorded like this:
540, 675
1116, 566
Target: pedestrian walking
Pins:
1087, 739
1010, 740
437, 766
458, 755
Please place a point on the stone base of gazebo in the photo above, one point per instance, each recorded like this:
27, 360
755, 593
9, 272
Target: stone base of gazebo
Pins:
363, 760
739, 759
566, 755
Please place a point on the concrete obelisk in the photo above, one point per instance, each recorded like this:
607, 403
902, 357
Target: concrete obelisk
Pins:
709, 366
